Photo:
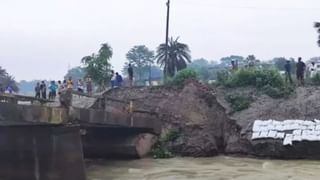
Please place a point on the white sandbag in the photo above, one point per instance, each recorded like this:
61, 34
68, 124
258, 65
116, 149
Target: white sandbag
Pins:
297, 132
300, 121
305, 137
288, 140
255, 135
263, 128
308, 123
313, 137
310, 137
279, 127
277, 122
311, 127
280, 135
288, 122
289, 127
297, 138
271, 127
286, 127
295, 126
317, 121
264, 123
258, 122
303, 127
272, 134
270, 121
306, 132
256, 126
264, 134
318, 127
317, 132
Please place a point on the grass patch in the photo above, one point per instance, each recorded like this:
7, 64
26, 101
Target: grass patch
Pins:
181, 77
160, 149
268, 81
239, 102
316, 79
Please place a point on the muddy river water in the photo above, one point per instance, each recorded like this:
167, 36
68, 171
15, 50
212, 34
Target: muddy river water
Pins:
218, 168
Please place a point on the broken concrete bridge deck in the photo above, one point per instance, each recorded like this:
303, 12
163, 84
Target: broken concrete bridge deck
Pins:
21, 114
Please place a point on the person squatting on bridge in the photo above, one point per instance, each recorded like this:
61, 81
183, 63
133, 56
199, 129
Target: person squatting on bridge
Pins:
116, 79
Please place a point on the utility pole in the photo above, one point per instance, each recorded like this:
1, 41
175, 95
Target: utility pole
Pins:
317, 26
167, 36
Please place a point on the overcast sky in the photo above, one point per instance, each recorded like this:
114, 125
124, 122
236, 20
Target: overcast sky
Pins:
39, 39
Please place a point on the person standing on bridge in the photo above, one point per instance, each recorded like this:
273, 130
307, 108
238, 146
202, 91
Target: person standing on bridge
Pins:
130, 73
43, 90
301, 67
287, 67
80, 86
60, 87
70, 84
53, 90
37, 90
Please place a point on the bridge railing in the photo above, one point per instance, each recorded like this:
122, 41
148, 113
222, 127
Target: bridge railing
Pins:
15, 98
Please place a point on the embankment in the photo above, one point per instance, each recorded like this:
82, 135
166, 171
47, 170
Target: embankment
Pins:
206, 127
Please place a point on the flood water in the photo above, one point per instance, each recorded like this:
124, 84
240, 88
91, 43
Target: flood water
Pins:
218, 168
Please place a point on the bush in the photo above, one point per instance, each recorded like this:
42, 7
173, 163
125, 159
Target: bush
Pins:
160, 150
267, 80
238, 102
222, 77
255, 77
181, 77
184, 75
282, 92
316, 79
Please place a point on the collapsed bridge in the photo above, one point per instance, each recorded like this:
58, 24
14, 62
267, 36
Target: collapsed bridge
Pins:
38, 136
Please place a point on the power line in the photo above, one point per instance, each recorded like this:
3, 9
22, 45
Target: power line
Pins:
198, 2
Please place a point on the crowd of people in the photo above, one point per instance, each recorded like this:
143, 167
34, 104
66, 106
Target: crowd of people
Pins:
7, 89
117, 80
58, 87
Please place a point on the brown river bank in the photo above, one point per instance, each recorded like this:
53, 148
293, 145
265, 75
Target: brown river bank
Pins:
218, 168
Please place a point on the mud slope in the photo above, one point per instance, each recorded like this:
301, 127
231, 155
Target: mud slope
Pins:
304, 105
206, 126
193, 111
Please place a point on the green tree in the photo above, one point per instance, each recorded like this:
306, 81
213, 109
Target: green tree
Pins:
76, 73
203, 68
178, 57
251, 60
7, 80
156, 72
141, 59
98, 66
226, 61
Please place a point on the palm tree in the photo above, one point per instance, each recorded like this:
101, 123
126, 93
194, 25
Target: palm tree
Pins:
178, 57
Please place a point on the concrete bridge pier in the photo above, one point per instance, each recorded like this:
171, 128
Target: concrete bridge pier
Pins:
111, 142
41, 152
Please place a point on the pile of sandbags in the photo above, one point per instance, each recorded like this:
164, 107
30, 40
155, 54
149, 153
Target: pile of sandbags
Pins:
288, 130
